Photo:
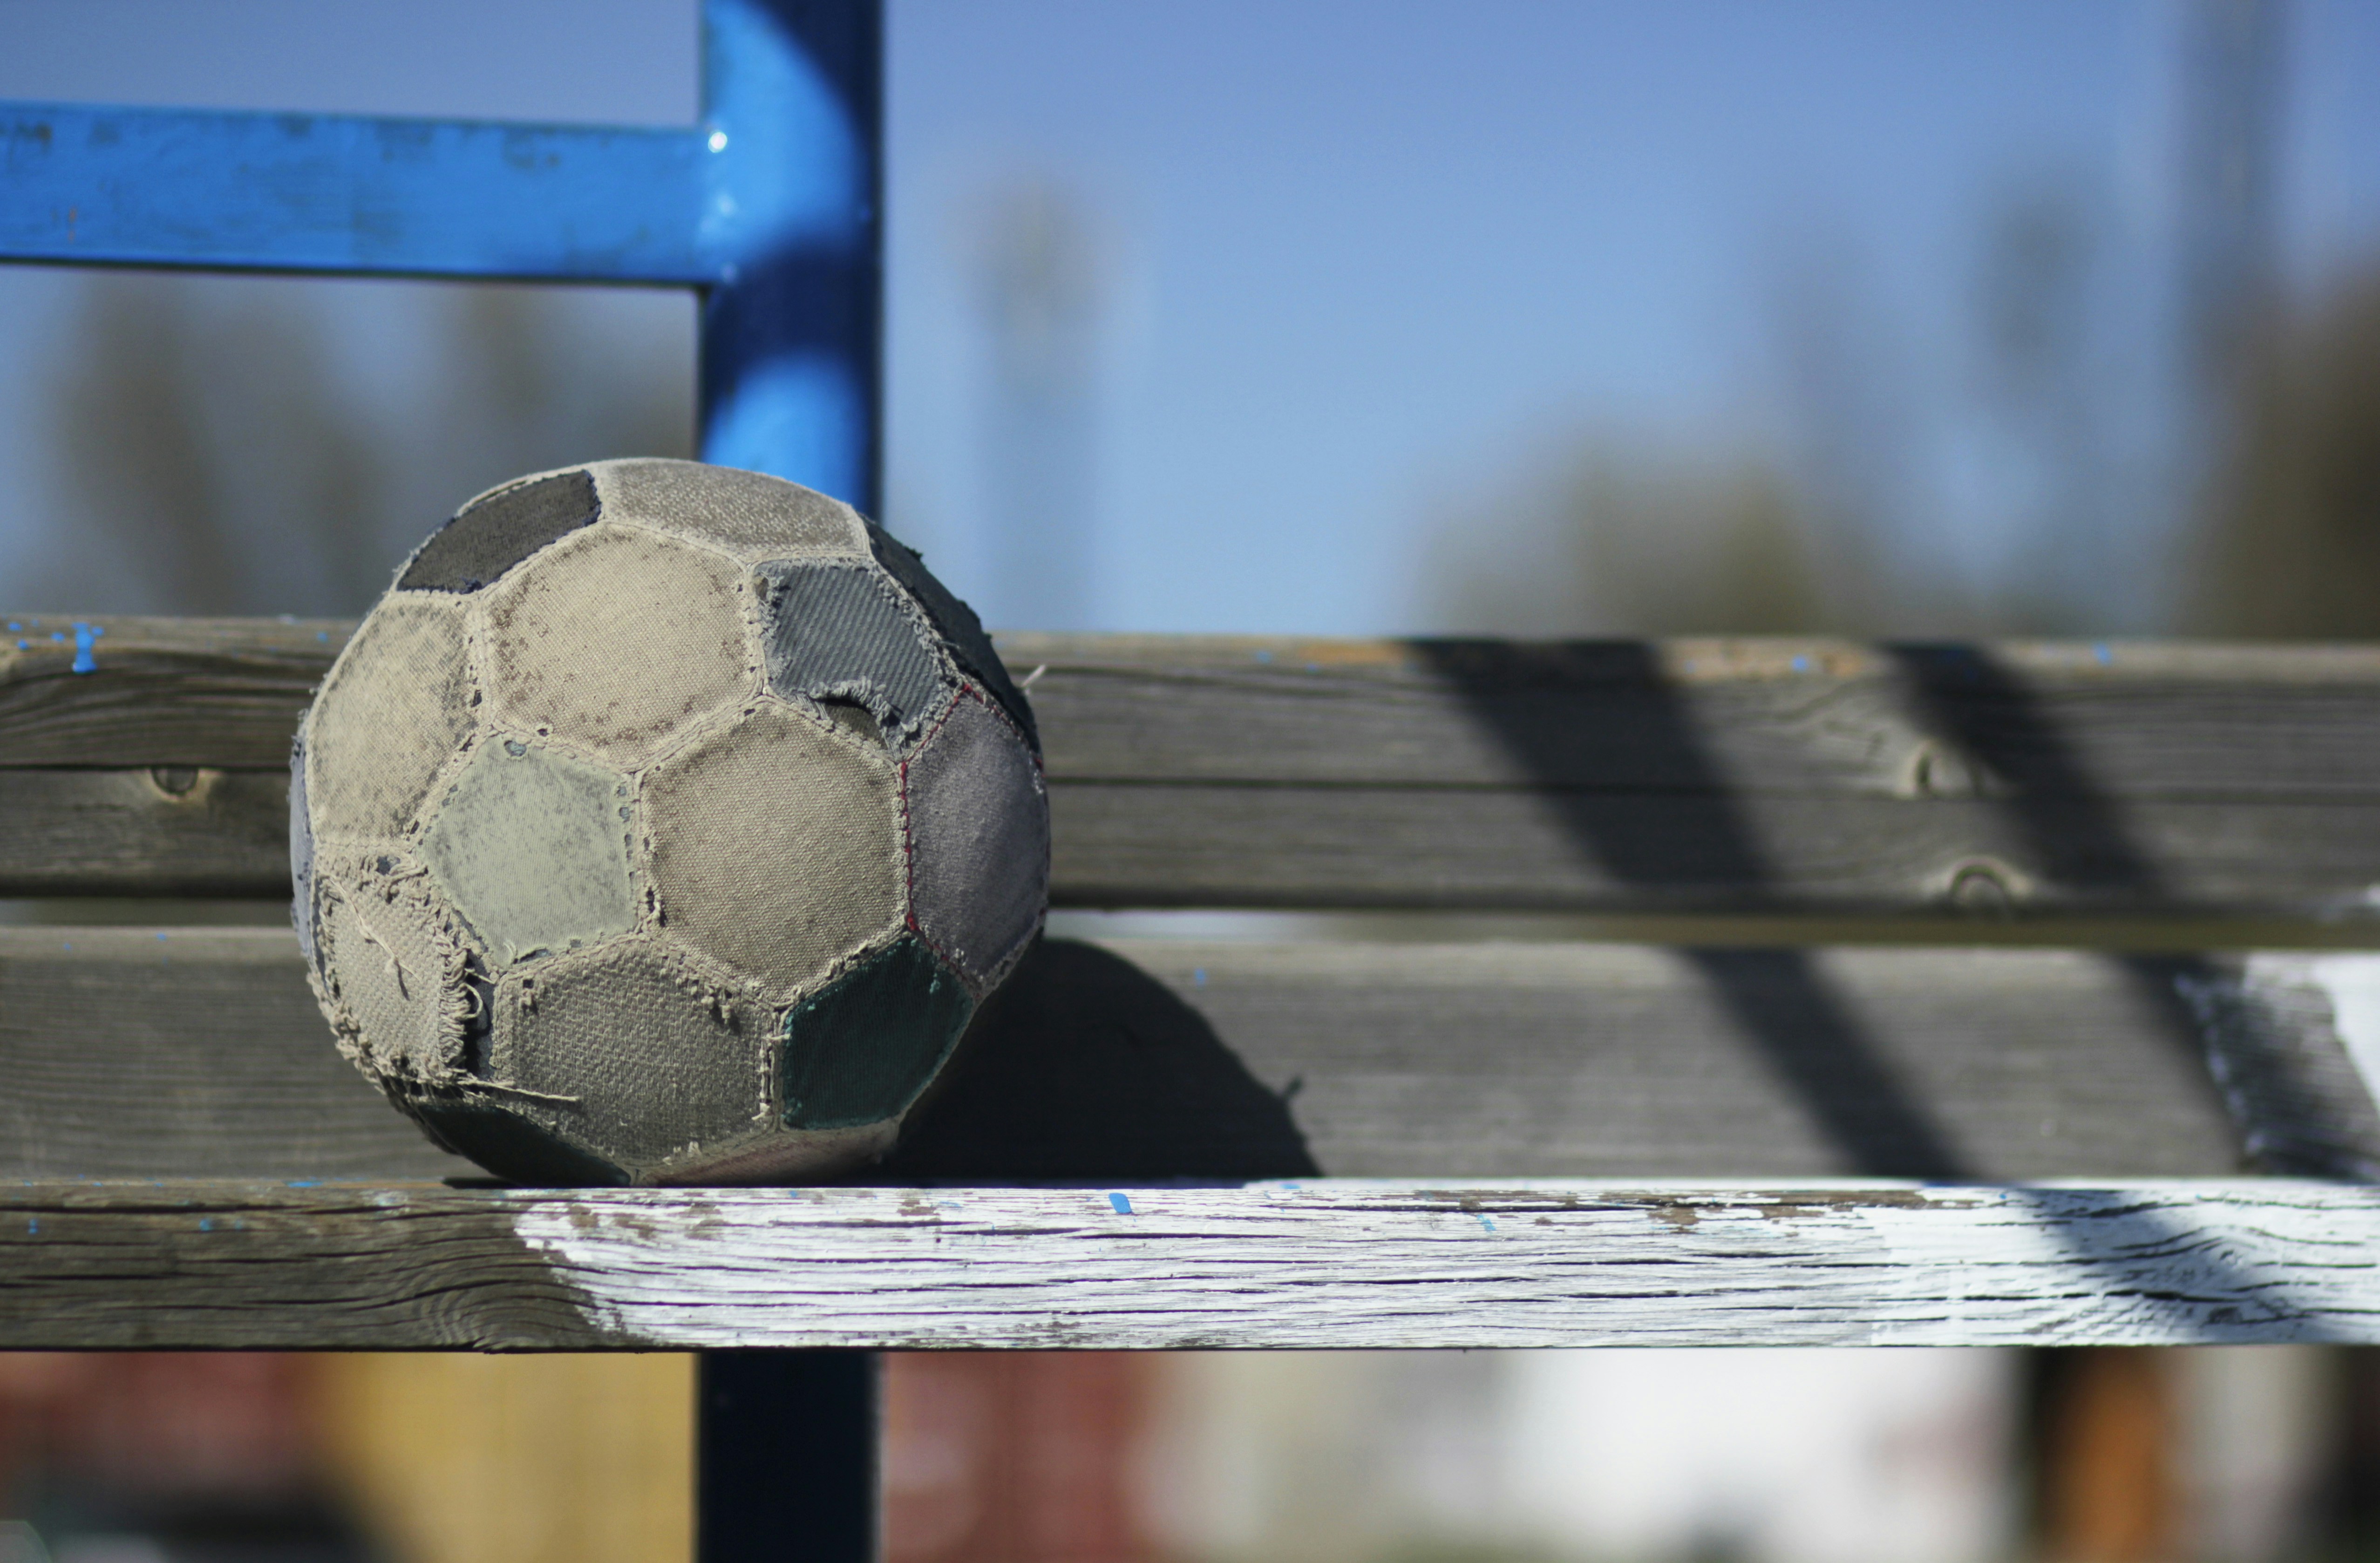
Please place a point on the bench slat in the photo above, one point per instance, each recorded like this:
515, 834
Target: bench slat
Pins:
1714, 777
1305, 1265
201, 1053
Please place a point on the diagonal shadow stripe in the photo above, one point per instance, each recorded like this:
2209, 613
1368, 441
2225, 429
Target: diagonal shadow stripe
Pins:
2075, 834
1779, 997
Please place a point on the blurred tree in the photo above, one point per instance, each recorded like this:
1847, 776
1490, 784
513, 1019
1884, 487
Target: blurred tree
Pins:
2290, 543
213, 460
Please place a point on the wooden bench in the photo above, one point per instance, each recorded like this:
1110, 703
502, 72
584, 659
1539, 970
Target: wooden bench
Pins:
1700, 992
1843, 1098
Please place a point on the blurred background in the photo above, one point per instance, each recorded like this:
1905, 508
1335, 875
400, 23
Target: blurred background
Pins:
1320, 317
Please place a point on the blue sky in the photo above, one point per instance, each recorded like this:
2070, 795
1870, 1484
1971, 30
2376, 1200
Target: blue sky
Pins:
1368, 266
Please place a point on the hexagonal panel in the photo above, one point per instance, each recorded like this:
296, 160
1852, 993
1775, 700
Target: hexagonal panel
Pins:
751, 514
978, 819
532, 848
959, 627
498, 530
776, 846
861, 1051
393, 968
659, 1062
839, 630
614, 641
396, 708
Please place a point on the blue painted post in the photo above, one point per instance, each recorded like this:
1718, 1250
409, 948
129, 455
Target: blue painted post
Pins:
791, 225
792, 326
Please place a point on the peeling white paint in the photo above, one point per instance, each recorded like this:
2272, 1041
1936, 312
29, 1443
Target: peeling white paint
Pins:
1537, 1263
2352, 985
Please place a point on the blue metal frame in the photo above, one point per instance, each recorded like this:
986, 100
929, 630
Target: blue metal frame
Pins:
770, 209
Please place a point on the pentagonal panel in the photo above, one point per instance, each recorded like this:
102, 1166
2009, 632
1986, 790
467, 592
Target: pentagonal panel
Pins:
614, 641
531, 847
861, 1051
749, 514
396, 708
958, 625
498, 530
978, 824
391, 968
301, 849
776, 846
836, 630
656, 1063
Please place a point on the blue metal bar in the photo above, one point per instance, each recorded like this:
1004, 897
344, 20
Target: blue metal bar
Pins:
791, 103
791, 115
785, 1468
82, 184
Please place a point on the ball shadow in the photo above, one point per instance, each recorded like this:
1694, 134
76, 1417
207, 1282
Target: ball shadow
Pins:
1085, 1066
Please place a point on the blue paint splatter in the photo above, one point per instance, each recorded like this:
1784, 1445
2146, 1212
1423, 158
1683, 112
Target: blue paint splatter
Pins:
15, 625
1119, 1205
1484, 1221
83, 662
24, 646
58, 635
1800, 664
305, 1183
160, 938
1198, 977
2105, 657
206, 1224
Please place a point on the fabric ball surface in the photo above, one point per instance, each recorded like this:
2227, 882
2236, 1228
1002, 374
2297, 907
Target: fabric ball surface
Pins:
663, 823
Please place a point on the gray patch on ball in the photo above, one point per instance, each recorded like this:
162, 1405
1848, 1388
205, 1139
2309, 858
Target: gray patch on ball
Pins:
530, 847
490, 535
840, 631
959, 626
978, 840
655, 1060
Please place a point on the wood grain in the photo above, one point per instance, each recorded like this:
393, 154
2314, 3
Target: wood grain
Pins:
183, 1052
1301, 1264
201, 1053
1741, 778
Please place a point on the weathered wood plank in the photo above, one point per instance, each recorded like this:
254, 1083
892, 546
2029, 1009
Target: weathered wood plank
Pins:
219, 693
1300, 1264
183, 1052
122, 1054
160, 831
224, 834
1716, 777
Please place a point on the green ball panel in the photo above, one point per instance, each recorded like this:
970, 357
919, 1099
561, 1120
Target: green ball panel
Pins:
860, 1051
532, 848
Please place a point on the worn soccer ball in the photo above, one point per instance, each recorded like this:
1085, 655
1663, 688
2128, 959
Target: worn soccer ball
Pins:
663, 823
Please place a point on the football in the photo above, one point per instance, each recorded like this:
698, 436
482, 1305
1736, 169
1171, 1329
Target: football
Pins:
663, 823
